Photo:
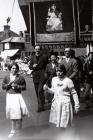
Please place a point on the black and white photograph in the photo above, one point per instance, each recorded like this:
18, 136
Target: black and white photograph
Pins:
46, 69
56, 21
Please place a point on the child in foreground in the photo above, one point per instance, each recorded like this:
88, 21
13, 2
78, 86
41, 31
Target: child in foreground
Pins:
61, 112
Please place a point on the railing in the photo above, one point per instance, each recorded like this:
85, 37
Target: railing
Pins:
86, 36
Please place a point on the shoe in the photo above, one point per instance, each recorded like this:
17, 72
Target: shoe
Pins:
12, 133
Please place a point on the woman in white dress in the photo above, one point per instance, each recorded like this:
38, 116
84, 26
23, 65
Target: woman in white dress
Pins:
16, 108
61, 112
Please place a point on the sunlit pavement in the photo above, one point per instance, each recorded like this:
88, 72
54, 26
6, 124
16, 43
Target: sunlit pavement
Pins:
37, 127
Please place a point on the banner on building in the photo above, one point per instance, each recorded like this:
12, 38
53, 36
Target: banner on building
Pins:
54, 21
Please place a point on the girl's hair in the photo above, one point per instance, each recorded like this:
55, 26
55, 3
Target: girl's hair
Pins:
61, 68
14, 64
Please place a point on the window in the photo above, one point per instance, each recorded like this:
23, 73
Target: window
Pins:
27, 38
6, 46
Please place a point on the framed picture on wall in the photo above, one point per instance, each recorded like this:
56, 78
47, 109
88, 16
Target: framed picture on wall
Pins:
85, 9
85, 14
54, 21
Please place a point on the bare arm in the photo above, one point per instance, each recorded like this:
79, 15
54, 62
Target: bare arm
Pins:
49, 90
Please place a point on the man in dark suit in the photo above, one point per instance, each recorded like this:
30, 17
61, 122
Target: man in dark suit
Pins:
88, 72
38, 64
80, 76
71, 66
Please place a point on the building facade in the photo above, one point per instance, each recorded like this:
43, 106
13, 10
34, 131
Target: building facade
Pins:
56, 24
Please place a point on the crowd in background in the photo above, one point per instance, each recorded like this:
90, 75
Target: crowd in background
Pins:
81, 67
23, 64
61, 81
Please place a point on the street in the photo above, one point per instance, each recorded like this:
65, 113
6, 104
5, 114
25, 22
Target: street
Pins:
37, 127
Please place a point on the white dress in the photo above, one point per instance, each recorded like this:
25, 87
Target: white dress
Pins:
61, 112
15, 105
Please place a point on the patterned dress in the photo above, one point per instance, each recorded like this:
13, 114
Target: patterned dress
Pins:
61, 112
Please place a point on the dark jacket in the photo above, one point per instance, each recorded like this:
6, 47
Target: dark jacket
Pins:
88, 67
71, 68
38, 72
50, 73
20, 84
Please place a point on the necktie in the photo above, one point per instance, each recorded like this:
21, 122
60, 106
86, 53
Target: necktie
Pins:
67, 59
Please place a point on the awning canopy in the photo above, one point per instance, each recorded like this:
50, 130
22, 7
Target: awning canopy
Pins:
25, 2
14, 40
10, 53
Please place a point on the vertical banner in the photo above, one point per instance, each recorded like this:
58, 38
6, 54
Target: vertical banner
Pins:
53, 21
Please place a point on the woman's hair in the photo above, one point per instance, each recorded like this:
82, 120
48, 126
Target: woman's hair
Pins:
61, 68
14, 64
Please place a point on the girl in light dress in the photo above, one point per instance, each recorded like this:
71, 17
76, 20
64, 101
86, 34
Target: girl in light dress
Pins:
61, 112
16, 108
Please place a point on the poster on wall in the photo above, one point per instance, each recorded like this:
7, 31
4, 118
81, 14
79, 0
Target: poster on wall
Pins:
54, 21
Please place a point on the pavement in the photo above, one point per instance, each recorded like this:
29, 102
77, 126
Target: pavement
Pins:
37, 126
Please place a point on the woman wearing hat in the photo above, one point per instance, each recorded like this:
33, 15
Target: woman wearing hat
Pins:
50, 72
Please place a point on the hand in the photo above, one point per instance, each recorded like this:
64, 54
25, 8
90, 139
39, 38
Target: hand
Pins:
10, 83
90, 72
45, 87
82, 89
76, 110
14, 86
35, 65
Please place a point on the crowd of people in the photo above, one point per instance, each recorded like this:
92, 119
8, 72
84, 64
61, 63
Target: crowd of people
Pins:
57, 81
22, 63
